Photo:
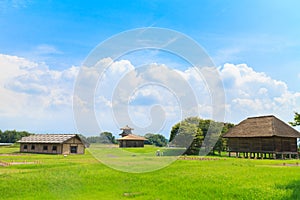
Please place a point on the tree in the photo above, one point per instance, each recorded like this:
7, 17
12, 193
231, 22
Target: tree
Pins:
187, 134
156, 139
11, 136
104, 137
107, 137
190, 133
296, 121
221, 144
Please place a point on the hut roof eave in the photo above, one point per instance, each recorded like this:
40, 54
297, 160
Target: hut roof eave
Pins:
132, 137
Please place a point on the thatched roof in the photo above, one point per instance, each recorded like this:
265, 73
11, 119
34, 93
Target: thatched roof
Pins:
264, 126
48, 138
132, 137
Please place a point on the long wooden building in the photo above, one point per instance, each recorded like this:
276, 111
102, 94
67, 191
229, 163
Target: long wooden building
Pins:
52, 144
261, 137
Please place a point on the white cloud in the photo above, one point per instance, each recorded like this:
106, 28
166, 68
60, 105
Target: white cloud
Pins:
32, 91
251, 93
152, 96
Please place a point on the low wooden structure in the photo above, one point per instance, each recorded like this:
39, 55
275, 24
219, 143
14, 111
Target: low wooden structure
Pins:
130, 140
263, 137
52, 144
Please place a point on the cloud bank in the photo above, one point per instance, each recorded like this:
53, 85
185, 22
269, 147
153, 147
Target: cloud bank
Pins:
37, 98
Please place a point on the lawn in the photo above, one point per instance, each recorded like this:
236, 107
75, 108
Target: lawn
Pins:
84, 177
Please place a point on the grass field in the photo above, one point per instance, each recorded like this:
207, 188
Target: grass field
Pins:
84, 177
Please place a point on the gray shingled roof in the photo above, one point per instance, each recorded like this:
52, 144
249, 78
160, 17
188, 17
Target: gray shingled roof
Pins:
264, 126
47, 138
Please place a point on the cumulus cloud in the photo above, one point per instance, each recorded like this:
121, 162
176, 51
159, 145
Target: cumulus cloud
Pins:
142, 97
32, 91
151, 97
251, 93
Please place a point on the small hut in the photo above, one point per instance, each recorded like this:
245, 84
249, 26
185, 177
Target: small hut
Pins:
257, 137
130, 140
52, 144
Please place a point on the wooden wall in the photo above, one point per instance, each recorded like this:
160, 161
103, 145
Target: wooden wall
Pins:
262, 145
131, 143
39, 148
73, 142
64, 148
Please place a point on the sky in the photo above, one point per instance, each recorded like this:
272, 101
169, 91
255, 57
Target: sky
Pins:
255, 46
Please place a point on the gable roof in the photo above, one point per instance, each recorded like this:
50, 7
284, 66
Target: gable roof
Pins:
132, 137
48, 138
263, 126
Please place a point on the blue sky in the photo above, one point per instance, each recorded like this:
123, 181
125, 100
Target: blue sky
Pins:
57, 36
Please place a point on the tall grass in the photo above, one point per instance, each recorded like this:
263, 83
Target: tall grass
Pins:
84, 177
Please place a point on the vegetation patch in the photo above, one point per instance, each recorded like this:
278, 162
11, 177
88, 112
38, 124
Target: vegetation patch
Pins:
84, 177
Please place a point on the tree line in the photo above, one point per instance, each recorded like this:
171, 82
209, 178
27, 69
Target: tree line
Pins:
108, 138
188, 133
12, 136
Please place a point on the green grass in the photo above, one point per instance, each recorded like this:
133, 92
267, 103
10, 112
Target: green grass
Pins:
84, 177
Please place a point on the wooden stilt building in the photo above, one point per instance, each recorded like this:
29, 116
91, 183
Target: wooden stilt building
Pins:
263, 137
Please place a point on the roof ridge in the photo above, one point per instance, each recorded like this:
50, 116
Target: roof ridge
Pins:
262, 116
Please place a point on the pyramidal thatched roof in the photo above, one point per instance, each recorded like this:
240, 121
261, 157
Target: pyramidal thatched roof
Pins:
263, 126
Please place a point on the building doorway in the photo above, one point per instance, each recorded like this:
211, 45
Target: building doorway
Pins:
73, 149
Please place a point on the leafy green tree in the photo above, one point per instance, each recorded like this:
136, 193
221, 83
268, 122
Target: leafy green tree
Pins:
107, 137
12, 136
156, 139
296, 121
221, 144
190, 133
104, 137
93, 139
187, 134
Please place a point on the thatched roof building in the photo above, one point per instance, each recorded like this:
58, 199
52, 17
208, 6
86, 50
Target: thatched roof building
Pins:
129, 139
264, 134
52, 144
